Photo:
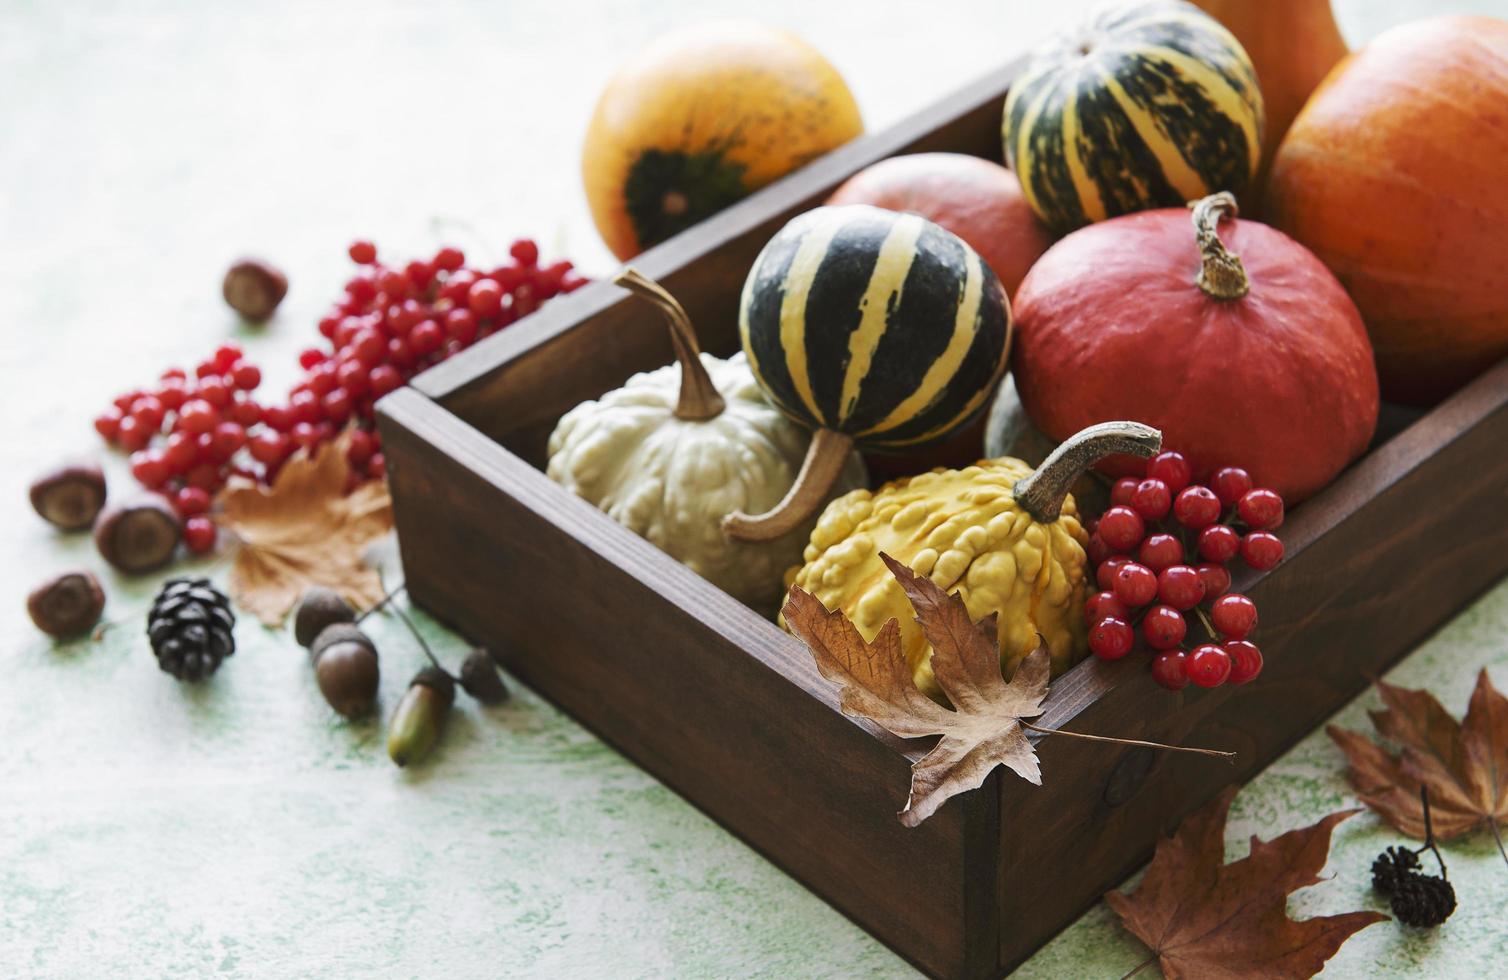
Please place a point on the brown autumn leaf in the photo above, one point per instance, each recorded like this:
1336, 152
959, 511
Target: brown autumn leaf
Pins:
304, 530
1464, 764
1207, 919
984, 732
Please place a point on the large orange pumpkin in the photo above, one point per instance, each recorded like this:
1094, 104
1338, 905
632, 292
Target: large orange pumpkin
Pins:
1394, 176
701, 118
979, 201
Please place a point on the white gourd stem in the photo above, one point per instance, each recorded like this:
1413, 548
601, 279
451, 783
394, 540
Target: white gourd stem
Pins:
825, 459
1042, 493
1221, 273
700, 400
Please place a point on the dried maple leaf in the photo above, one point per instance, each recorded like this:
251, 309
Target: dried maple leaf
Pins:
1464, 764
1204, 918
984, 732
304, 530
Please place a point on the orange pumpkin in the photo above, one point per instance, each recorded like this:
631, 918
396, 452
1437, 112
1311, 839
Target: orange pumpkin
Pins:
701, 118
1293, 44
979, 201
1393, 175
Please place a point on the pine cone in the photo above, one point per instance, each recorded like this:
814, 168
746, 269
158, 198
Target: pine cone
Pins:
1392, 865
190, 628
1423, 900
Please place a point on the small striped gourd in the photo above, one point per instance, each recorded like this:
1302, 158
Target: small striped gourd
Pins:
871, 327
1145, 105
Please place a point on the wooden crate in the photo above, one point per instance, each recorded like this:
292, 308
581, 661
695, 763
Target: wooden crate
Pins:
730, 712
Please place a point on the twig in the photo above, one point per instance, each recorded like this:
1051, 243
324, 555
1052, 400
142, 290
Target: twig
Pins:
1140, 967
420, 637
380, 603
1126, 741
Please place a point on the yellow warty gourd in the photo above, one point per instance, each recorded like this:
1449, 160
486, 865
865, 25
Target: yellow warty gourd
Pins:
1006, 538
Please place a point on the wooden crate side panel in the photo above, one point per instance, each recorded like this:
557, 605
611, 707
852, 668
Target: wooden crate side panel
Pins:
1376, 564
716, 702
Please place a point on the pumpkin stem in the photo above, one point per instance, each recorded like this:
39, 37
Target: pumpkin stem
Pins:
700, 400
1042, 493
1222, 274
824, 461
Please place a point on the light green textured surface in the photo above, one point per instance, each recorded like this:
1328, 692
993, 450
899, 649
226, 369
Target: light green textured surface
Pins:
238, 828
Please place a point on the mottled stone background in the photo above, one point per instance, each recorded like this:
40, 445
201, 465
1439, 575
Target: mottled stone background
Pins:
153, 830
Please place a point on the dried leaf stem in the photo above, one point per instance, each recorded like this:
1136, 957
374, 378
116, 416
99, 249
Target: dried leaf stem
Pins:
1125, 741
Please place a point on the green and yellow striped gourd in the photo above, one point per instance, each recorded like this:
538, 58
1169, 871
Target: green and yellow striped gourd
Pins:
1145, 105
873, 328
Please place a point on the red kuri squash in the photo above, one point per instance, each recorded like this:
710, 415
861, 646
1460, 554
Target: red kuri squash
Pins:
1393, 174
979, 201
1239, 345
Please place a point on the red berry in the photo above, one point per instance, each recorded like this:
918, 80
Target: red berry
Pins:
1172, 469
1109, 568
1111, 638
246, 413
1179, 586
107, 424
1219, 542
1159, 551
485, 298
1123, 491
172, 393
197, 416
461, 325
310, 356
368, 347
377, 466
226, 357
572, 281
394, 282
1245, 661
359, 447
1196, 507
1135, 585
1216, 579
1261, 550
305, 435
246, 376
189, 501
1098, 551
1208, 665
362, 252
268, 446
1164, 627
1234, 616
305, 407
171, 374
337, 406
1151, 499
524, 251
449, 259
321, 379
149, 468
228, 438
205, 476
148, 412
426, 337
1169, 669
132, 434
125, 401
277, 418
353, 377
1122, 528
399, 353
384, 379
181, 451
1230, 484
214, 390
1261, 509
1102, 605
199, 535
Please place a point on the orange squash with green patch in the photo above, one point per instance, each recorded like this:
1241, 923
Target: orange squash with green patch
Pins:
702, 118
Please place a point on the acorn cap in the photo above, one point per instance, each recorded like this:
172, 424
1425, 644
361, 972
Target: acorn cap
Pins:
437, 680
480, 679
339, 633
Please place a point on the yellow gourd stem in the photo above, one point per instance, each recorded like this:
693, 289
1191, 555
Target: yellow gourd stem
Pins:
1221, 273
819, 471
1042, 493
699, 400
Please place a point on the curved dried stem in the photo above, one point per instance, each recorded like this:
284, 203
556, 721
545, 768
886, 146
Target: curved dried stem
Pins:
700, 399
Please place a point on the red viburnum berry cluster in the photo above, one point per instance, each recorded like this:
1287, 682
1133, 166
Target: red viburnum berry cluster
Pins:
1160, 552
188, 436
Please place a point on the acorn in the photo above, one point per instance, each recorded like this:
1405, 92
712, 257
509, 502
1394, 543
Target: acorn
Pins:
480, 679
421, 714
66, 604
70, 496
317, 608
138, 535
345, 665
254, 288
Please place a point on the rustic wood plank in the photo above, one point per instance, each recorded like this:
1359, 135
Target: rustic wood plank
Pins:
717, 702
1376, 563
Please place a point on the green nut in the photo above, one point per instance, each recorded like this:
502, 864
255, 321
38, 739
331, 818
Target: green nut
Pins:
421, 714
